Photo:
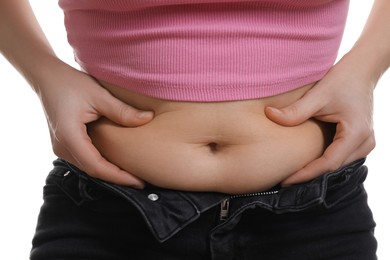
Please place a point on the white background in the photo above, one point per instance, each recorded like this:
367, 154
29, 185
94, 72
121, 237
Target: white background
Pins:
25, 149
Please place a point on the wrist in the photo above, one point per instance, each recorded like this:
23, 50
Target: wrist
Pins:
45, 74
368, 64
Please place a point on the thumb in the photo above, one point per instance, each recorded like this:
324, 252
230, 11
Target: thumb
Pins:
287, 116
296, 113
121, 113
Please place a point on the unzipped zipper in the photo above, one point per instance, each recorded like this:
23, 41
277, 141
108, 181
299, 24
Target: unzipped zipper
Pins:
225, 204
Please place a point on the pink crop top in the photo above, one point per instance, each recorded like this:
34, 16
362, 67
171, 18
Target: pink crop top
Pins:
206, 50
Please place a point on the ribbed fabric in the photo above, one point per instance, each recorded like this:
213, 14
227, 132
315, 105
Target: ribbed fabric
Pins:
206, 50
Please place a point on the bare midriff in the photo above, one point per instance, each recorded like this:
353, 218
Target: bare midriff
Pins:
229, 147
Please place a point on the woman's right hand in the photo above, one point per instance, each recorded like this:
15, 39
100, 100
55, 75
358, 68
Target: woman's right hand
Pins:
71, 99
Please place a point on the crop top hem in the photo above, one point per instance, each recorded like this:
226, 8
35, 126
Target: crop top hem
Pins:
204, 93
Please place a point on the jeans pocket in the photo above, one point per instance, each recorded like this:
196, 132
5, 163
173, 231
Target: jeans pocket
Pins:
78, 188
85, 192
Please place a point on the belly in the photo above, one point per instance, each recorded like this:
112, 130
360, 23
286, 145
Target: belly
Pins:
228, 147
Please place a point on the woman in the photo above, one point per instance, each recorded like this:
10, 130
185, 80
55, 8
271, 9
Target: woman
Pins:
196, 147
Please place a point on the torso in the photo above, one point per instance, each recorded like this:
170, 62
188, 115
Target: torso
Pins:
229, 147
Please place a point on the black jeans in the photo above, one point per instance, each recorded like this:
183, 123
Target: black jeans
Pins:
86, 218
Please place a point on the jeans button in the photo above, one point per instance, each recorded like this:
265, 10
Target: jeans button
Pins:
153, 197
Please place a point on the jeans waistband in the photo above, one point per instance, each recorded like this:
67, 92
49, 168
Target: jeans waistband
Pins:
166, 212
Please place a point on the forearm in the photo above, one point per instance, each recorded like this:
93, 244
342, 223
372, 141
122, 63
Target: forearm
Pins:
23, 42
372, 50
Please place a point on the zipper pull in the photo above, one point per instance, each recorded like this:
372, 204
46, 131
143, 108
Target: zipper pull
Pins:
224, 212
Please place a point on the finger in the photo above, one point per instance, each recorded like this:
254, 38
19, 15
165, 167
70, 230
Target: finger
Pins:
343, 150
296, 113
121, 113
309, 172
81, 152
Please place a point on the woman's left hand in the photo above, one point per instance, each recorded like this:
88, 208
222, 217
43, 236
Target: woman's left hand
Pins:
344, 97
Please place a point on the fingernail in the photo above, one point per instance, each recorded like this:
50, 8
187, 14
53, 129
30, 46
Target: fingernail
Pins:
140, 185
144, 114
274, 110
286, 184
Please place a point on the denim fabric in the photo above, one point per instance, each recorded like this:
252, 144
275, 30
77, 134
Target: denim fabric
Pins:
86, 218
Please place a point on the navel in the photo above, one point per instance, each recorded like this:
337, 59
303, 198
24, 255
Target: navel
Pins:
214, 147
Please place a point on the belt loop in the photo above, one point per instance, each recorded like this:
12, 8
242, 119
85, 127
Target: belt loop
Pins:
70, 185
84, 188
